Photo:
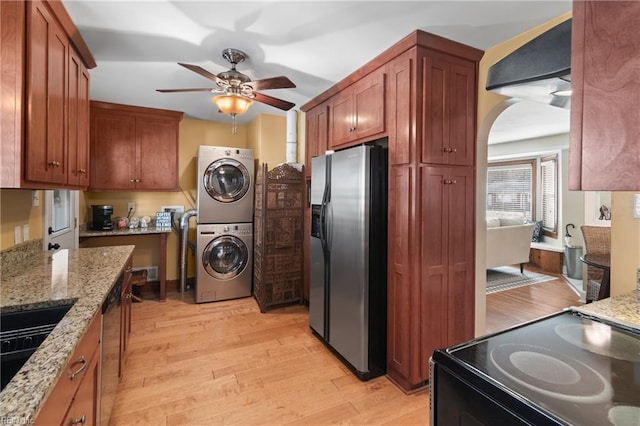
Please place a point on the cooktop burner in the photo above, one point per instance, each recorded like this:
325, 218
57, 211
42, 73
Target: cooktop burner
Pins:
602, 340
551, 374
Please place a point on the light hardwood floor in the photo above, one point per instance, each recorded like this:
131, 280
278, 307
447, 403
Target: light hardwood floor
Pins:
227, 363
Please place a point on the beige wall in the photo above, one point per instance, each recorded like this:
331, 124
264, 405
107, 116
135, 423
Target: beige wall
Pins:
625, 230
16, 210
625, 243
490, 105
270, 131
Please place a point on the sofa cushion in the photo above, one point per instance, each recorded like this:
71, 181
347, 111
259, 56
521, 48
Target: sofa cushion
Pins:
493, 222
511, 221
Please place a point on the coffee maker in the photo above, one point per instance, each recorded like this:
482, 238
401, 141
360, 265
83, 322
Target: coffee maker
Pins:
101, 217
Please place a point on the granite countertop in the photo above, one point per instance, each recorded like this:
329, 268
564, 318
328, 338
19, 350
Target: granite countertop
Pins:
43, 279
624, 309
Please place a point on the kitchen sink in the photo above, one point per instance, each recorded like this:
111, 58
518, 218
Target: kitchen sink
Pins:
21, 333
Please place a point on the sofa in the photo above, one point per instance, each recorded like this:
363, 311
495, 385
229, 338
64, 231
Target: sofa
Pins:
508, 242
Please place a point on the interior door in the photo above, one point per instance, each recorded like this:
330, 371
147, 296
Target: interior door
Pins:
60, 219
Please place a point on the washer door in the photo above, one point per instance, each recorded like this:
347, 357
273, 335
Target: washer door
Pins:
226, 180
225, 257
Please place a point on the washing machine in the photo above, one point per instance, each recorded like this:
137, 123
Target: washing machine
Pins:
225, 185
225, 261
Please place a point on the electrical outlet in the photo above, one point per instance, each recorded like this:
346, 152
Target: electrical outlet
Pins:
17, 237
25, 232
636, 206
35, 198
131, 207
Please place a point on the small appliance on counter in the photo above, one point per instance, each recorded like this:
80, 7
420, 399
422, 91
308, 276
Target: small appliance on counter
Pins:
101, 217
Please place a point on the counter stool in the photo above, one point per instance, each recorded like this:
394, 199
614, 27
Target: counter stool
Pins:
138, 279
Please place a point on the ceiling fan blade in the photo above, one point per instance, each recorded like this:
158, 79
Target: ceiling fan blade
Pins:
203, 89
275, 102
199, 70
280, 82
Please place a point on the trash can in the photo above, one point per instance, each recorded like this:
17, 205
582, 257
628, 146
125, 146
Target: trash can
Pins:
572, 260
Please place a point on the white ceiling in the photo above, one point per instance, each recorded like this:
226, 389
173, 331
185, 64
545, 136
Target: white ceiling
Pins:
137, 44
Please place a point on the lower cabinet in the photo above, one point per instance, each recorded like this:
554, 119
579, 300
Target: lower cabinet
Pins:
76, 394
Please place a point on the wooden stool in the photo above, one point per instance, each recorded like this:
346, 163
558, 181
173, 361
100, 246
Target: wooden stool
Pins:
138, 279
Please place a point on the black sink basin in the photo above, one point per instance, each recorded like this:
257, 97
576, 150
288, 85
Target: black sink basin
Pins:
22, 332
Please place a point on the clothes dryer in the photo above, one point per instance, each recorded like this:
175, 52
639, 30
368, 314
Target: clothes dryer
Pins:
225, 261
225, 185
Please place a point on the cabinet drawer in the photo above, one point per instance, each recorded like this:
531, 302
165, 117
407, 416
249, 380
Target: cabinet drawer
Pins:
55, 407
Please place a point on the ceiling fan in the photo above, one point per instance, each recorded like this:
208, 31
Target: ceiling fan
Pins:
238, 90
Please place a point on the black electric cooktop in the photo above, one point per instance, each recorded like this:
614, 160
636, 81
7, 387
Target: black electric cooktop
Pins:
580, 369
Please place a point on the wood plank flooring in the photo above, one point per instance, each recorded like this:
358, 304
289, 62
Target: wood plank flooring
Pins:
227, 363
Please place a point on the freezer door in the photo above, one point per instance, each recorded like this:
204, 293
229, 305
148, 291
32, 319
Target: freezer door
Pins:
348, 231
317, 316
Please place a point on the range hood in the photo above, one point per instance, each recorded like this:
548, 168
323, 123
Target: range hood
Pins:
539, 71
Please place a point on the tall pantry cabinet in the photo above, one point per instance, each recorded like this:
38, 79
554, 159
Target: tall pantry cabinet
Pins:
430, 125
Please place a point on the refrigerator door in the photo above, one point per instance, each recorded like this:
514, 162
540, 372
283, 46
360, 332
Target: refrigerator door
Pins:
317, 308
348, 229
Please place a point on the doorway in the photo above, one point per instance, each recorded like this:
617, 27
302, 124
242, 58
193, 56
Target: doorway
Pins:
60, 219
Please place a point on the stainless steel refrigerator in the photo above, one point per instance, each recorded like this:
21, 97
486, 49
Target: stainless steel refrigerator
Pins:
348, 256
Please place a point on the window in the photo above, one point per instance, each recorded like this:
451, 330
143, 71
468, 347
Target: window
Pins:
549, 194
511, 189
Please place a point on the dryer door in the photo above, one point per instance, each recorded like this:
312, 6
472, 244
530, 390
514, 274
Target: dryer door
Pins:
225, 257
226, 180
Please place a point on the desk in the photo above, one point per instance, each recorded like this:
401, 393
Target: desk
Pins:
602, 261
127, 232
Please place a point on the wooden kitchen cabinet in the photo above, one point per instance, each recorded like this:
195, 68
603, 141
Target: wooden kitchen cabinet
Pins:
358, 111
133, 148
429, 86
45, 66
317, 128
125, 316
449, 110
76, 392
604, 153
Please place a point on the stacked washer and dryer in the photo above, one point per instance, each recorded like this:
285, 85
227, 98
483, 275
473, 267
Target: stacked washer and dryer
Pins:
224, 244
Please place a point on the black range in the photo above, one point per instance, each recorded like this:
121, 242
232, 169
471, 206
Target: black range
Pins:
565, 369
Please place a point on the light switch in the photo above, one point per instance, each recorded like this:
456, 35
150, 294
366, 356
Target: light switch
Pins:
25, 232
35, 199
17, 237
636, 206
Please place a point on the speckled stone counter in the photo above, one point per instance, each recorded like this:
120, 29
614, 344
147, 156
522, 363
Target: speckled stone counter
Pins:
43, 279
624, 308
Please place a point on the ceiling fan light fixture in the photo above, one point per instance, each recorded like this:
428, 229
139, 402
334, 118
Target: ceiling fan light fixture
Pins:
232, 104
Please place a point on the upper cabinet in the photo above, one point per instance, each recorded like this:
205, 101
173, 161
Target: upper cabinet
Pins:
317, 127
450, 104
45, 77
604, 152
133, 148
358, 111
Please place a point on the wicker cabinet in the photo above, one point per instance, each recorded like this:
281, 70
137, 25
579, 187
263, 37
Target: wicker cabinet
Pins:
278, 236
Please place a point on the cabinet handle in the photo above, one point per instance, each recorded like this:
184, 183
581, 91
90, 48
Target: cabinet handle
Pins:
138, 180
132, 180
79, 421
450, 182
79, 370
53, 163
450, 150
82, 171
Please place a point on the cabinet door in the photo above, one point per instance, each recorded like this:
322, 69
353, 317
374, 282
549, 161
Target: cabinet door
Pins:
449, 111
401, 99
447, 267
403, 319
113, 151
605, 130
157, 155
341, 118
317, 122
84, 407
78, 134
358, 111
47, 53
